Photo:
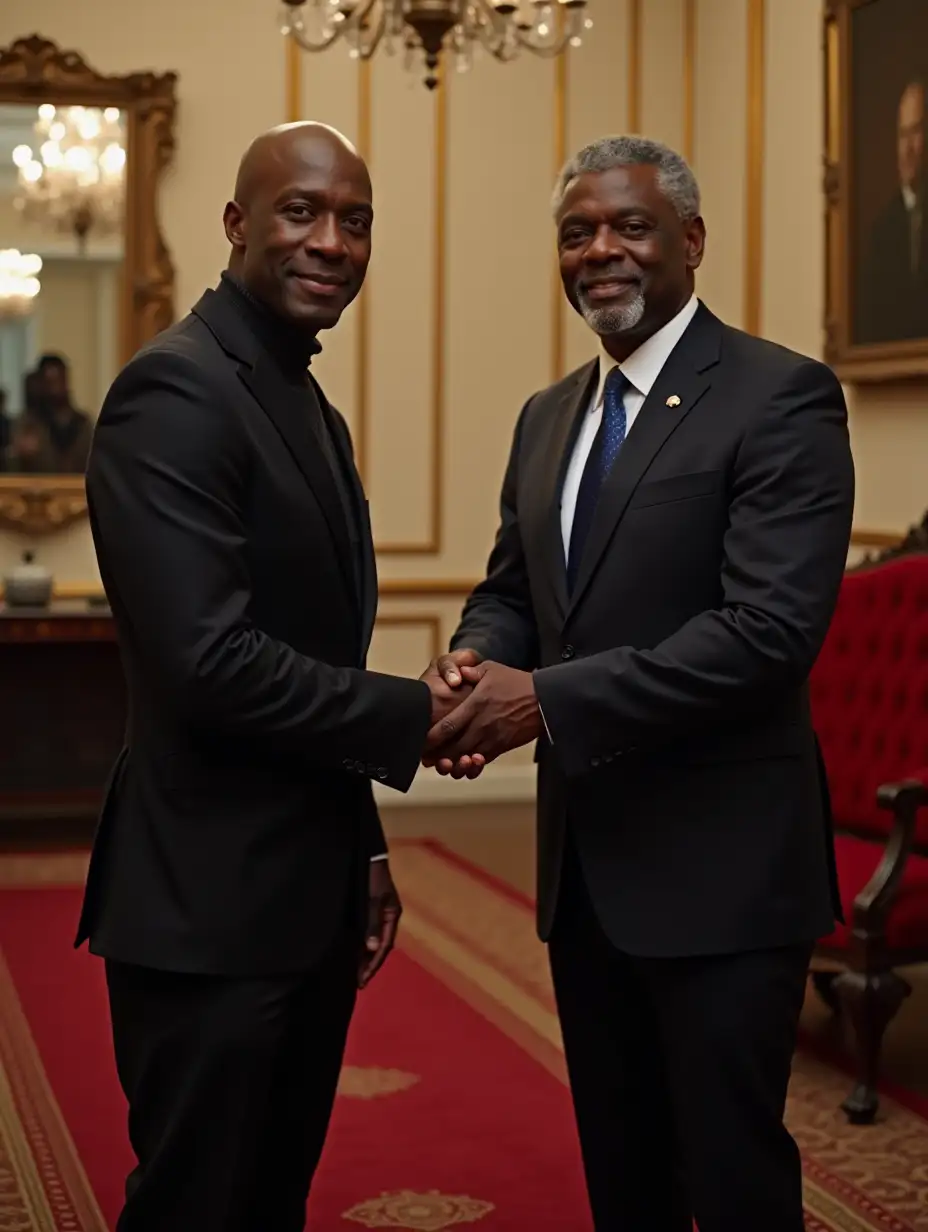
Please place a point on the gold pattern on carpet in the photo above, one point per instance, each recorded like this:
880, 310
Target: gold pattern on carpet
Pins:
414, 1212
369, 1082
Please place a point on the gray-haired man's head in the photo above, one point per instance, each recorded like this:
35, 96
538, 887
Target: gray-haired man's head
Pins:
630, 237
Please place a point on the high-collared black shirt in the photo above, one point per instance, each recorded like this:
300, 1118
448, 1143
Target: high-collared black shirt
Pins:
293, 351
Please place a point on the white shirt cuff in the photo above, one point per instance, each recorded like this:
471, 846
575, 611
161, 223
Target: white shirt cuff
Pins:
384, 855
545, 721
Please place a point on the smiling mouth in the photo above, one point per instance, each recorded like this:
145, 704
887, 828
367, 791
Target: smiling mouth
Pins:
318, 284
608, 290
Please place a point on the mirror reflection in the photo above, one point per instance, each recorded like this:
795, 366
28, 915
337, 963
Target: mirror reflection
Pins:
62, 196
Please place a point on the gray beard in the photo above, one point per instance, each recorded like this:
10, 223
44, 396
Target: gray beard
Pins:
608, 321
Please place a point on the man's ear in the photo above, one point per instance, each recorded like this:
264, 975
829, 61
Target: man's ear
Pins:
695, 242
233, 219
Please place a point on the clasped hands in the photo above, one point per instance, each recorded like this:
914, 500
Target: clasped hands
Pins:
480, 709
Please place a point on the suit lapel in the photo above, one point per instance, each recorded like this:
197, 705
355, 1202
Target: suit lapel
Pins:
556, 452
285, 406
683, 380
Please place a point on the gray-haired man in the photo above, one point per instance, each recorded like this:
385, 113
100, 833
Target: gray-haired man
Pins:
675, 522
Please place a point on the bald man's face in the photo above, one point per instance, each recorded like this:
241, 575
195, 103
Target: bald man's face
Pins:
302, 232
911, 135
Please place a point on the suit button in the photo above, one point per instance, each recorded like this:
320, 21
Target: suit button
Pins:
382, 772
568, 653
359, 766
347, 764
594, 762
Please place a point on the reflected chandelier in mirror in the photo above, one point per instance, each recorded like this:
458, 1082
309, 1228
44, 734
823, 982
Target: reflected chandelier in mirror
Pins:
85, 275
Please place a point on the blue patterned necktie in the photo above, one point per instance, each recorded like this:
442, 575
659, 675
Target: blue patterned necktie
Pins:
603, 453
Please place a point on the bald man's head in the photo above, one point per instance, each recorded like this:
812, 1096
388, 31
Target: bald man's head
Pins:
910, 135
300, 223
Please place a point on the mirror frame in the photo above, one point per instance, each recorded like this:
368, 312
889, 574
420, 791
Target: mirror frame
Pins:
33, 71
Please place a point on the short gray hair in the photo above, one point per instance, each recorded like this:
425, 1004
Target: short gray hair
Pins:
674, 176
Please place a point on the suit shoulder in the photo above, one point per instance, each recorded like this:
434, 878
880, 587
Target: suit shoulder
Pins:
772, 363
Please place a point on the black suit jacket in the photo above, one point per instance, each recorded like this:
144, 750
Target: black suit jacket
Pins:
673, 682
240, 816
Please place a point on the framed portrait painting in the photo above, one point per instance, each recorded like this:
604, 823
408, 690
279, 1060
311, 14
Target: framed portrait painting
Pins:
876, 188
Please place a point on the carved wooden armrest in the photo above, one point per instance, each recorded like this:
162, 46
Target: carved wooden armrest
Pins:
872, 904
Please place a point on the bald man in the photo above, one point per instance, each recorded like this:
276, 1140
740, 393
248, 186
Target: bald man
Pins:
891, 301
239, 889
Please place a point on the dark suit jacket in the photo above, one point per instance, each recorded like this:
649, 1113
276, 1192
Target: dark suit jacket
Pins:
673, 682
891, 299
241, 813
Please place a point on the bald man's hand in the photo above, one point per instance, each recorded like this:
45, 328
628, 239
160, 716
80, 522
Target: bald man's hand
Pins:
456, 671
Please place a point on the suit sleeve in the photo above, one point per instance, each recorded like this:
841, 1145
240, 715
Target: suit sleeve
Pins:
498, 619
784, 555
167, 486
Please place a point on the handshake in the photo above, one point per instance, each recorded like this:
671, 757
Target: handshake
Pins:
480, 709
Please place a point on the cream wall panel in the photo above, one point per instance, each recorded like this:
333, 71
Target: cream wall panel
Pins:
719, 152
404, 276
402, 645
663, 76
329, 93
597, 98
499, 277
794, 238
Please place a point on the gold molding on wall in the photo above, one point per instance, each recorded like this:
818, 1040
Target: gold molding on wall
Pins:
433, 542
362, 381
633, 118
293, 80
689, 79
754, 164
561, 86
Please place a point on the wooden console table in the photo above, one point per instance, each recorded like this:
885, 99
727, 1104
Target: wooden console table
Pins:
62, 710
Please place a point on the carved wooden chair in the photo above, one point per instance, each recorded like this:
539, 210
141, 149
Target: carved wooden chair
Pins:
869, 694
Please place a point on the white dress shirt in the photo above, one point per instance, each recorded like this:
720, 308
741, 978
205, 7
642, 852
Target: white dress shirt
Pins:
642, 368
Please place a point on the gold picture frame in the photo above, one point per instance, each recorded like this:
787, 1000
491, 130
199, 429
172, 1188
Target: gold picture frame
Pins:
33, 71
855, 356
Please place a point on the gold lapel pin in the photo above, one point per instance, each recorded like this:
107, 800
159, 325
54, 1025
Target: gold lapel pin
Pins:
673, 400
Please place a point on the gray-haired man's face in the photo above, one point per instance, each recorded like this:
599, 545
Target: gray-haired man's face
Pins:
626, 259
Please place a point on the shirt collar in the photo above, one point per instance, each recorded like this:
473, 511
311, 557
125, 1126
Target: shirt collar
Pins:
643, 366
909, 197
292, 349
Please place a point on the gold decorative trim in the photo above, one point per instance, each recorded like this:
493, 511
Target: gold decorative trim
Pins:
559, 128
362, 343
41, 504
418, 1212
433, 542
34, 70
390, 588
875, 538
689, 79
370, 1082
293, 80
634, 65
754, 188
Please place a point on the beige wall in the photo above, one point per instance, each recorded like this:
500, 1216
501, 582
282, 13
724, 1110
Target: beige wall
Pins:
462, 319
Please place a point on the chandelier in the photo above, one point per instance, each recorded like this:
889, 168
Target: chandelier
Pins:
18, 282
431, 27
75, 180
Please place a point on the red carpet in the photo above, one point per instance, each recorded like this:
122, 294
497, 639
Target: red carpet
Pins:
482, 1133
453, 1112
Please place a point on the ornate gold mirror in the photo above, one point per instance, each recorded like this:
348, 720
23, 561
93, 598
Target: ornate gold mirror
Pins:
85, 276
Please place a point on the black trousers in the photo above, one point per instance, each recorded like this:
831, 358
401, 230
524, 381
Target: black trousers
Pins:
678, 1069
230, 1084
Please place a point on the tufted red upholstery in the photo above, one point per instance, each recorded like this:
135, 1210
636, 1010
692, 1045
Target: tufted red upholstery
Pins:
869, 693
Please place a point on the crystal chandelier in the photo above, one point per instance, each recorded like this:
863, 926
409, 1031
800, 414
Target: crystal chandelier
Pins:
431, 27
76, 178
18, 282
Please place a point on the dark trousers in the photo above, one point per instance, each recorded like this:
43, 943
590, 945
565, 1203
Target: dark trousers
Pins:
230, 1084
678, 1069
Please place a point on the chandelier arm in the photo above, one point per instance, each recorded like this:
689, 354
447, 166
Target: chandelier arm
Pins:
492, 36
366, 50
356, 22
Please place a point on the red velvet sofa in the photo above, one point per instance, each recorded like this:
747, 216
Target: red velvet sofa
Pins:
869, 693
